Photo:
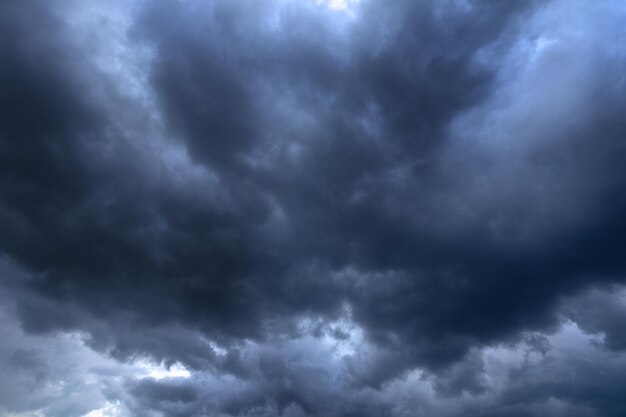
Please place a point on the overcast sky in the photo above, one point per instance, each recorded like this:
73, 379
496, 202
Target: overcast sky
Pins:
313, 208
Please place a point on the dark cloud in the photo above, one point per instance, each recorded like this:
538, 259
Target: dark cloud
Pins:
601, 311
245, 188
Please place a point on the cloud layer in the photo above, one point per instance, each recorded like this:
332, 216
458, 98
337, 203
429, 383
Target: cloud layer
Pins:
313, 208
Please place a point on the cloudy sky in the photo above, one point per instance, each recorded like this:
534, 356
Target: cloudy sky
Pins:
313, 208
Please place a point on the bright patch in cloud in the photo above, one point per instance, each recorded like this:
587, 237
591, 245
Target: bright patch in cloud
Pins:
340, 5
159, 372
109, 410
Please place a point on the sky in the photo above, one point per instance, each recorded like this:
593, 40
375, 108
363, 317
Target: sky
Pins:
313, 208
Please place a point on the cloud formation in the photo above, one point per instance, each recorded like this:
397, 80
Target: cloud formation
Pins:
313, 208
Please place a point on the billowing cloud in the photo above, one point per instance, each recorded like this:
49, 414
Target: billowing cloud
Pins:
307, 208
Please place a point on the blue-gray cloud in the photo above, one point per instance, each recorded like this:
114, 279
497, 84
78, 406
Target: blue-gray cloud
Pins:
313, 205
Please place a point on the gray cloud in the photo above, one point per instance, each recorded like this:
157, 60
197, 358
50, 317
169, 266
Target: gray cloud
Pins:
313, 206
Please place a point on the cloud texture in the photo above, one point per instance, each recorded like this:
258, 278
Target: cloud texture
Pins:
313, 208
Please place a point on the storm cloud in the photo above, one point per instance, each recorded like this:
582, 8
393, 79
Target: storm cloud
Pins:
313, 208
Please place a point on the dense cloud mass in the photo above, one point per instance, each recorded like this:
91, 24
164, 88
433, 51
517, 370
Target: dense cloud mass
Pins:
313, 208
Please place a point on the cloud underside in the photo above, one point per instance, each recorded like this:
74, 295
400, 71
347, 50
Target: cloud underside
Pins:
313, 208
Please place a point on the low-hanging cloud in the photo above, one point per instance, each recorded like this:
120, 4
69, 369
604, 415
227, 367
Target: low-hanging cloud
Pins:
317, 205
